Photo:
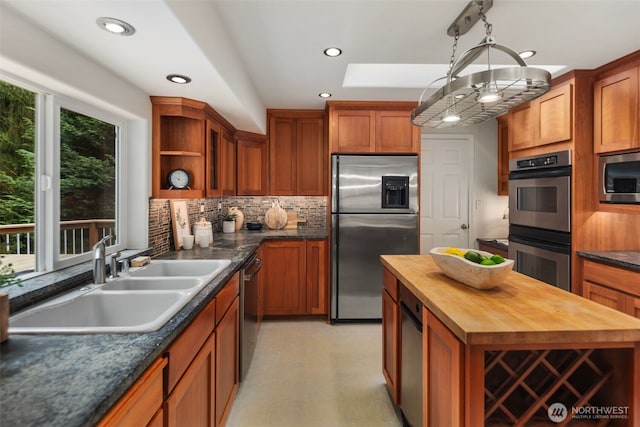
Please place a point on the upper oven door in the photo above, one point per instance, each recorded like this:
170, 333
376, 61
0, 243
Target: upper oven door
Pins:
543, 202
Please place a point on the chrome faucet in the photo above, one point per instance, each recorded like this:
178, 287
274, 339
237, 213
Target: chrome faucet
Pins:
99, 253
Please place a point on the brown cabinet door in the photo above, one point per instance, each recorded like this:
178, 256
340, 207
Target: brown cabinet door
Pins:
284, 266
311, 157
226, 362
251, 167
443, 374
282, 156
503, 155
316, 276
521, 127
227, 164
353, 131
213, 161
395, 133
192, 401
391, 345
141, 404
616, 123
554, 122
605, 296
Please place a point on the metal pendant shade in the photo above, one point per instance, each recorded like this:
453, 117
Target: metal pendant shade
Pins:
480, 96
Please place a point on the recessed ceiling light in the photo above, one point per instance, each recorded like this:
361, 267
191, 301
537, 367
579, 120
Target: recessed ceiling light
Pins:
527, 54
324, 95
115, 26
332, 51
178, 78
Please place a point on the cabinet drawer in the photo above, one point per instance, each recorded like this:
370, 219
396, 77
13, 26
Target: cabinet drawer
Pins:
616, 278
225, 297
186, 346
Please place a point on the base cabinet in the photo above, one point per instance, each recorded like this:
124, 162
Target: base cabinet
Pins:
227, 361
613, 287
391, 335
192, 401
294, 277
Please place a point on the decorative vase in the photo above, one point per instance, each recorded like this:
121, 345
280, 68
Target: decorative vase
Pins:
239, 217
228, 226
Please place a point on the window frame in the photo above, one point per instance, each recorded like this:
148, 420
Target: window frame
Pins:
48, 105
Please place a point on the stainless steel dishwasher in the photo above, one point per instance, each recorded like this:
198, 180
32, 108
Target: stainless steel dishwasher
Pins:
248, 311
410, 358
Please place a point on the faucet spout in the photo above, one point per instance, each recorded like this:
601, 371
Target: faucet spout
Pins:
99, 267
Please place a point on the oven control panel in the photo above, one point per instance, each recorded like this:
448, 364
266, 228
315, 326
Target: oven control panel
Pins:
560, 158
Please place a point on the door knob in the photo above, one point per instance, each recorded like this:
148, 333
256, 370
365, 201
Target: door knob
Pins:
464, 226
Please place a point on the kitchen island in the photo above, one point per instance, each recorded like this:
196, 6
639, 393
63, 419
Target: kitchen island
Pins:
523, 352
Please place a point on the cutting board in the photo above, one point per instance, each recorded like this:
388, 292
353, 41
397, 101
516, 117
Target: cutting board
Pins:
293, 220
275, 217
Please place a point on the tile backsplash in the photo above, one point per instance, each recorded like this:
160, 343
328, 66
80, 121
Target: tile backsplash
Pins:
312, 208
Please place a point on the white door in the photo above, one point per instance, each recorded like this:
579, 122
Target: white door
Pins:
446, 170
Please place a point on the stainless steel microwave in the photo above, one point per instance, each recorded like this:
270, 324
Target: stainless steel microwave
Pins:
619, 178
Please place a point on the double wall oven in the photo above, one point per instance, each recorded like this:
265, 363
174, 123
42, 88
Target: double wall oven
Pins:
540, 217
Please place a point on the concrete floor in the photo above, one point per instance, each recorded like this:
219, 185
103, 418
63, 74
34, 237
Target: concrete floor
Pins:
311, 374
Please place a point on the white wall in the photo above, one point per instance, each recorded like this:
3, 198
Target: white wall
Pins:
34, 56
486, 207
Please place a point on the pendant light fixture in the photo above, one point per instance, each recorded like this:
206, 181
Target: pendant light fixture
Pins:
477, 97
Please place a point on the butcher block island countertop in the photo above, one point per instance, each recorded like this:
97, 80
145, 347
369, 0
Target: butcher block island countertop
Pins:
510, 355
521, 310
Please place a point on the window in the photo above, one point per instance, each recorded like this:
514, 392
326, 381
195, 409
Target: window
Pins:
59, 179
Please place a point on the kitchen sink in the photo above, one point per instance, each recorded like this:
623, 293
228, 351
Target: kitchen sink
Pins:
141, 301
205, 268
153, 284
101, 312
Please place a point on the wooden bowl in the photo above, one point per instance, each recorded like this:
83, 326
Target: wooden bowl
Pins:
470, 273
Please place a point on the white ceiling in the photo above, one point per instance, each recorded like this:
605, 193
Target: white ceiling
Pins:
248, 55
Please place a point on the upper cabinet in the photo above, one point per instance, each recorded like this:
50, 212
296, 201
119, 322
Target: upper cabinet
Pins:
545, 120
252, 158
372, 127
616, 111
297, 153
503, 155
191, 136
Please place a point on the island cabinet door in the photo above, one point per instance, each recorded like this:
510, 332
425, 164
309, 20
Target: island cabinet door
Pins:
391, 345
443, 374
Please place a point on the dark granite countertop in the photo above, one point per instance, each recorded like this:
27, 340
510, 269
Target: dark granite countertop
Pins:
624, 259
73, 380
500, 243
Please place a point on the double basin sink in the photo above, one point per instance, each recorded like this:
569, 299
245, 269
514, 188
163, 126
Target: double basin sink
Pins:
141, 301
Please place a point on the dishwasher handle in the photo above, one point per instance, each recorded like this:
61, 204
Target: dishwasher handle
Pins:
252, 269
406, 311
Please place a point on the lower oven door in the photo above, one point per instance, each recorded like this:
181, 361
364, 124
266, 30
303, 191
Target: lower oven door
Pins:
543, 261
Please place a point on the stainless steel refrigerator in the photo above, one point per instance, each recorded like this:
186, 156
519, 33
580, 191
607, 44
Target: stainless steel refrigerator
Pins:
374, 211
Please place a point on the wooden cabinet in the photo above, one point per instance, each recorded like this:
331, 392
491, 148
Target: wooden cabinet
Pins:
492, 249
503, 155
611, 286
178, 135
545, 120
316, 276
192, 401
252, 157
284, 266
391, 335
294, 276
372, 127
442, 374
190, 135
142, 404
616, 111
297, 153
227, 357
